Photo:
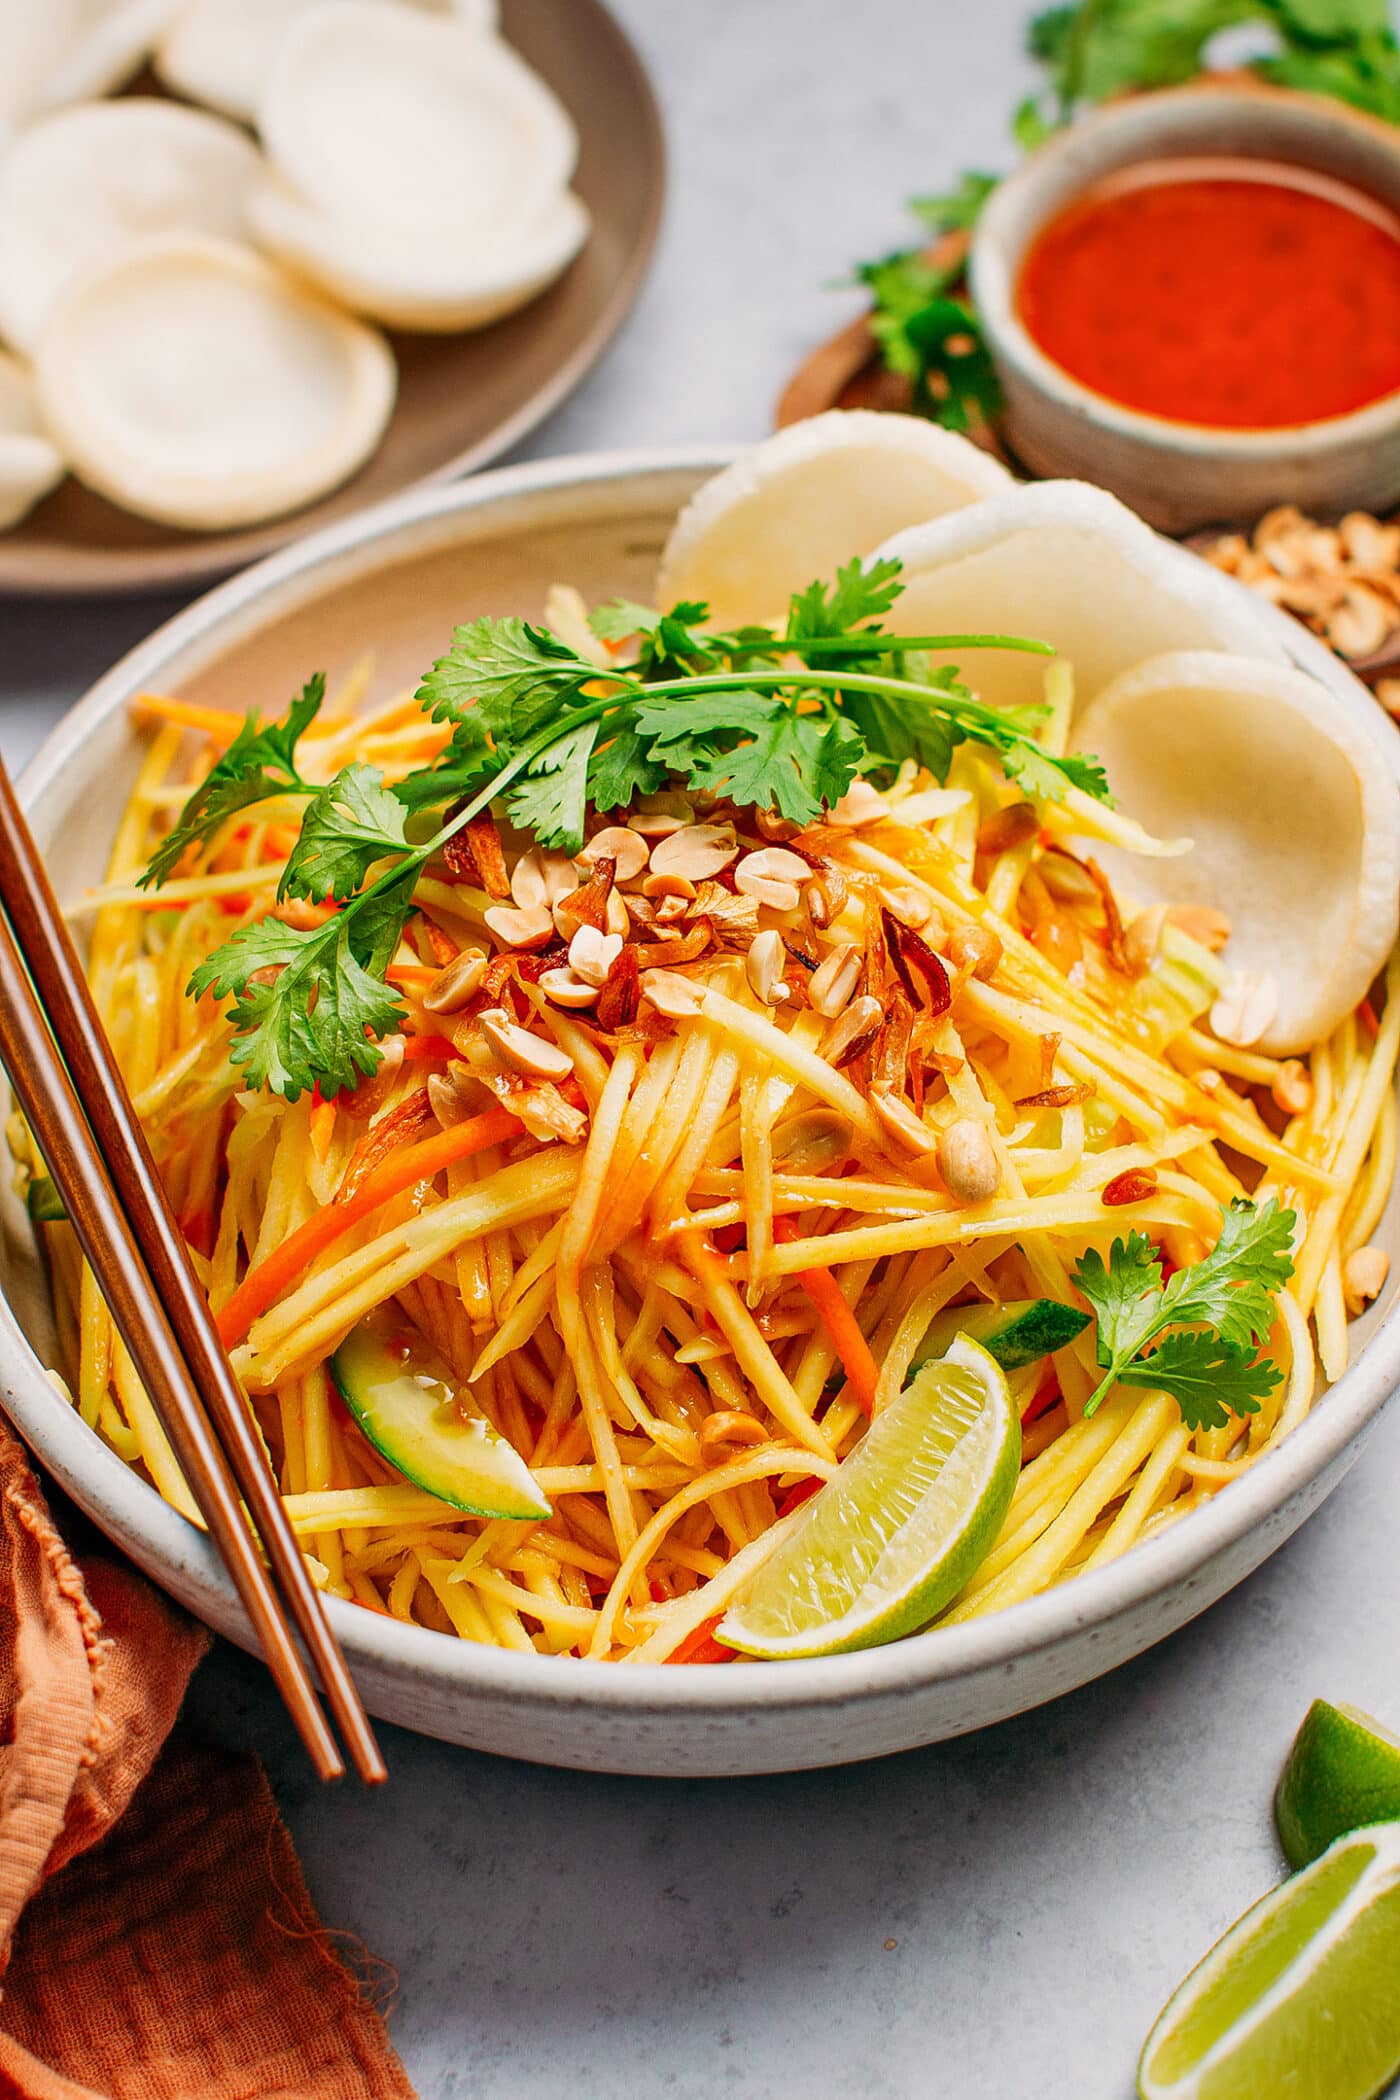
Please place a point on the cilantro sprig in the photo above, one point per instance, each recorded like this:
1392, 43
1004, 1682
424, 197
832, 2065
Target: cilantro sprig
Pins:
1197, 1336
767, 718
260, 762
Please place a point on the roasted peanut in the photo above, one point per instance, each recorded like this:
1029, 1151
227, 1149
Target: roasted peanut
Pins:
764, 966
626, 849
1292, 1089
975, 951
900, 1121
834, 980
967, 1161
1363, 1277
454, 986
514, 1047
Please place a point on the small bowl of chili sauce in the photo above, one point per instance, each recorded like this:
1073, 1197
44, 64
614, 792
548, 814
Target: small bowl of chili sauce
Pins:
1193, 298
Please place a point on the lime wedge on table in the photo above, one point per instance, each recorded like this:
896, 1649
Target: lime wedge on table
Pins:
1301, 1997
1343, 1771
900, 1529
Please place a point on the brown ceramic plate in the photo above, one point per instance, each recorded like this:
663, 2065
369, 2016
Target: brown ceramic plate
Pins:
462, 399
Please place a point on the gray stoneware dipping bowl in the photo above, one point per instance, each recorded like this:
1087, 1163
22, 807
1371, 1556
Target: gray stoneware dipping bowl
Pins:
1182, 475
397, 579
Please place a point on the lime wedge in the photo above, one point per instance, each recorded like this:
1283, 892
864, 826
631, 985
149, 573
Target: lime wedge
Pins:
1342, 1772
1300, 1997
899, 1530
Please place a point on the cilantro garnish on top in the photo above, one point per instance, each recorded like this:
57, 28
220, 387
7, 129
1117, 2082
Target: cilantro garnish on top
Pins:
770, 719
1197, 1336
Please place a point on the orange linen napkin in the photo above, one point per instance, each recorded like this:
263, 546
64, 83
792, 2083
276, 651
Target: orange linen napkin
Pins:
156, 1938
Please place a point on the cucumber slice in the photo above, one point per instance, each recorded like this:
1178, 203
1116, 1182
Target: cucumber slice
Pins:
43, 1202
407, 1407
1013, 1335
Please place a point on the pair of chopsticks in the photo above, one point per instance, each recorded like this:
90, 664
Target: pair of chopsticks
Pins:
75, 1101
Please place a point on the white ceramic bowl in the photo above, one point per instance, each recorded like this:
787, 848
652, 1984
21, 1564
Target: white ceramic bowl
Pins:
1182, 475
397, 579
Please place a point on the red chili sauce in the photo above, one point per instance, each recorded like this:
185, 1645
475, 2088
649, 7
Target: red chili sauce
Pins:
1245, 294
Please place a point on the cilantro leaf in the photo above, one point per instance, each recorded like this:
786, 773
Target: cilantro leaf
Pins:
755, 748
1234, 1288
1043, 778
315, 1020
959, 209
349, 824
260, 762
1229, 1294
622, 768
861, 592
551, 797
1122, 1293
621, 618
1209, 1378
504, 669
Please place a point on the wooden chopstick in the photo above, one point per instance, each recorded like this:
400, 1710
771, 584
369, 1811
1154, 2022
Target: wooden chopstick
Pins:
95, 1149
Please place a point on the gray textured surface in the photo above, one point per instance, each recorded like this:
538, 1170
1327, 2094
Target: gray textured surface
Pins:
1043, 1884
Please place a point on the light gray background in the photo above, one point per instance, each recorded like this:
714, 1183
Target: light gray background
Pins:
1043, 1885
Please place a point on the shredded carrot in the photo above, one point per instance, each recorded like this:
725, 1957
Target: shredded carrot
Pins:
843, 1329
219, 723
199, 1229
700, 1645
411, 976
803, 1492
429, 1049
1043, 1398
322, 1124
266, 1281
1368, 1019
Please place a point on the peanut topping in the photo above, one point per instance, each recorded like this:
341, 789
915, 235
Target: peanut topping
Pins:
454, 1095
824, 898
1343, 584
975, 951
1201, 923
967, 1161
1009, 827
764, 966
671, 994
369, 1096
1363, 1277
1292, 1089
852, 1031
901, 1122
695, 851
512, 1046
592, 954
910, 906
721, 1431
833, 982
451, 989
772, 875
1144, 938
860, 805
625, 848
527, 928
540, 878
566, 988
655, 886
